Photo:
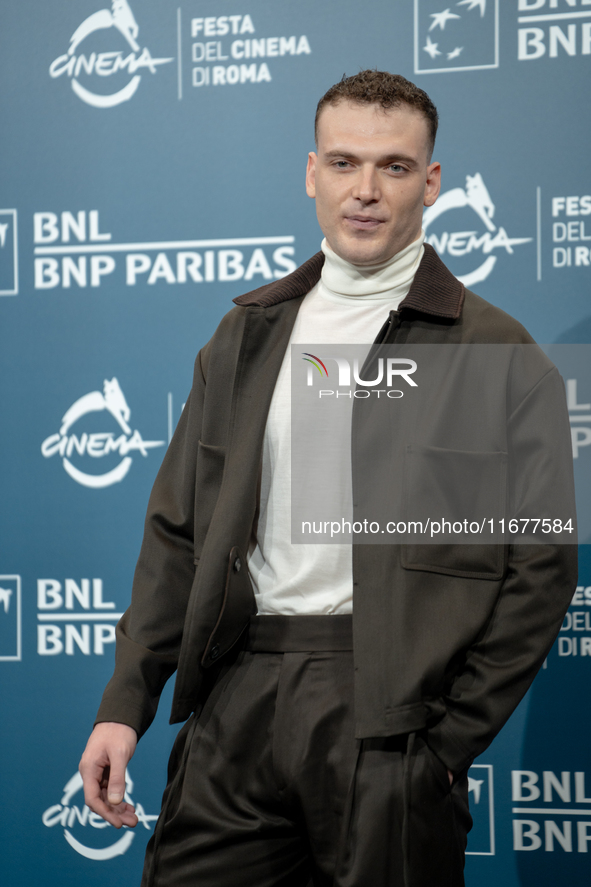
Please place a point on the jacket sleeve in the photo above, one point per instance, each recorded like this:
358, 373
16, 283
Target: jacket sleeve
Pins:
149, 633
538, 586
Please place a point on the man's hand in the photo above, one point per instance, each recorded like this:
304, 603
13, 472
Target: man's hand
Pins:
102, 768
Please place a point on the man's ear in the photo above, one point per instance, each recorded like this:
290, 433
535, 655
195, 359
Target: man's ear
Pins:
311, 174
432, 184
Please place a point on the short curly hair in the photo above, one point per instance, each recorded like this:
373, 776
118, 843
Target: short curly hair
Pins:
384, 89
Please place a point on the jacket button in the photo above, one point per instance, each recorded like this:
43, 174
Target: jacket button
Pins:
214, 652
237, 565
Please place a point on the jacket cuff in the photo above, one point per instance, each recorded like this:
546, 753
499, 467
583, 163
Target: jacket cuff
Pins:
120, 711
451, 750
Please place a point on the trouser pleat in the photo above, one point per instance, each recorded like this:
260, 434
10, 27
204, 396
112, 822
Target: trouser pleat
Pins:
268, 787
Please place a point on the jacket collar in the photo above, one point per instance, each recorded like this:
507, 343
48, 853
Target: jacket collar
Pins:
434, 289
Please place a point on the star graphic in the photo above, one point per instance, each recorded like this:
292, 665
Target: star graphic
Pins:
455, 52
474, 785
440, 18
473, 4
431, 48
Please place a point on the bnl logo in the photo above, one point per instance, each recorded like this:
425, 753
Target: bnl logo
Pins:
480, 790
8, 253
462, 37
10, 618
578, 413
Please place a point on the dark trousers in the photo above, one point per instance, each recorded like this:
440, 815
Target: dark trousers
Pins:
269, 788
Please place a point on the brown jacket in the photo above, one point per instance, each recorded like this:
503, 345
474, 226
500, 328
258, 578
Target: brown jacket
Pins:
446, 637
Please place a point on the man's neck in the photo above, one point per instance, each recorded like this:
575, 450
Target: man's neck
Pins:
346, 279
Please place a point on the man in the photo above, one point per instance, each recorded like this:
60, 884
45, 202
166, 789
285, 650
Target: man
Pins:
322, 750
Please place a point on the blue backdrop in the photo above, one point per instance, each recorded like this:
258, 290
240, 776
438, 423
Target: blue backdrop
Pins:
152, 169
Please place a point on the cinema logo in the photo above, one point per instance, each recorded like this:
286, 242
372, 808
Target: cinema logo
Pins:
76, 820
571, 233
244, 53
98, 445
120, 23
386, 370
474, 238
575, 633
71, 250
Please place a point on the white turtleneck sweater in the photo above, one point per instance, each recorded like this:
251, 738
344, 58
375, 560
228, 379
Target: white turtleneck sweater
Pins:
347, 306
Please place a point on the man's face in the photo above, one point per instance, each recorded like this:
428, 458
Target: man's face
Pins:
371, 179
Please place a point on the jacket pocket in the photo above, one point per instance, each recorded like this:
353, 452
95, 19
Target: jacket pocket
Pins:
458, 495
469, 561
208, 480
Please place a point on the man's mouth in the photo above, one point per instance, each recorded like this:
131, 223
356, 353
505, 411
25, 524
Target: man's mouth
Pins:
364, 223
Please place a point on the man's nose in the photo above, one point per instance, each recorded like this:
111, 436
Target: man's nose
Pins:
366, 186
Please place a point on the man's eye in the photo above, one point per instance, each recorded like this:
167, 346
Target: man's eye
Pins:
342, 164
395, 167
